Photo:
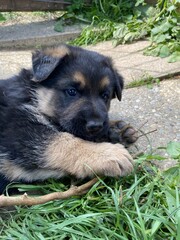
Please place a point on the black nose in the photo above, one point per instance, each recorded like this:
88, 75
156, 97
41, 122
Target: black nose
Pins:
94, 126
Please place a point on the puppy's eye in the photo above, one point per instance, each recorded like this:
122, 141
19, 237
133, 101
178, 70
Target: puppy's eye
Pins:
105, 96
71, 92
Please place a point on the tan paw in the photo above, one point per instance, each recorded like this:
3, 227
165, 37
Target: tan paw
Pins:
105, 159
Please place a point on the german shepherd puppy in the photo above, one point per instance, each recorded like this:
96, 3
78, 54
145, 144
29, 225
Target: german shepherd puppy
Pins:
54, 119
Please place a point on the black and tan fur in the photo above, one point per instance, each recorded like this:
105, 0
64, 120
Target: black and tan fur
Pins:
54, 118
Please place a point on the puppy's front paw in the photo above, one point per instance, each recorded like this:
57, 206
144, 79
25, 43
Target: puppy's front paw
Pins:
121, 132
77, 157
106, 159
115, 161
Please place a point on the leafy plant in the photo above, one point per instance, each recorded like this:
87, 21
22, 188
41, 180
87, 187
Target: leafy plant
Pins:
126, 21
165, 34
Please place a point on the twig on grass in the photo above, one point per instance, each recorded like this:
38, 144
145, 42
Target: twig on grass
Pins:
29, 201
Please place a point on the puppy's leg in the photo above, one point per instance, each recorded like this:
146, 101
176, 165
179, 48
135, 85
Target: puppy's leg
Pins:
62, 154
121, 132
82, 159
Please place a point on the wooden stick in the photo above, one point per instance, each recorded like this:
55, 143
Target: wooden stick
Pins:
29, 201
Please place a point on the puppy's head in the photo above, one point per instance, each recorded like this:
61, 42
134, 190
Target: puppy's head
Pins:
74, 88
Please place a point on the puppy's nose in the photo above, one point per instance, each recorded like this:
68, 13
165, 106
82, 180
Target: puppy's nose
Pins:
94, 126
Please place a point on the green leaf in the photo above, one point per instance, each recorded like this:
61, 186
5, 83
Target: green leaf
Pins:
121, 31
164, 27
172, 175
139, 2
174, 57
58, 26
171, 201
2, 18
156, 30
173, 149
164, 51
171, 8
178, 224
155, 226
154, 51
129, 37
155, 157
150, 11
161, 38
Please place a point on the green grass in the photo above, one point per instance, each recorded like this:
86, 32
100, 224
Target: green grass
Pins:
145, 205
146, 79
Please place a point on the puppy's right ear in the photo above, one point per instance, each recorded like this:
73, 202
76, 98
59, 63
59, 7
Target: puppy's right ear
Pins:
45, 62
119, 85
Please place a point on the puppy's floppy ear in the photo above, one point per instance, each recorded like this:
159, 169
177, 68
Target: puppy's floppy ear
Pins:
119, 85
43, 66
45, 62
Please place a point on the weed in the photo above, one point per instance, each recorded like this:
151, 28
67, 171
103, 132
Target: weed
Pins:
146, 79
126, 21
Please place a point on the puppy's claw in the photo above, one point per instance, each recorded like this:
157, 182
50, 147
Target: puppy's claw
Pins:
121, 132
